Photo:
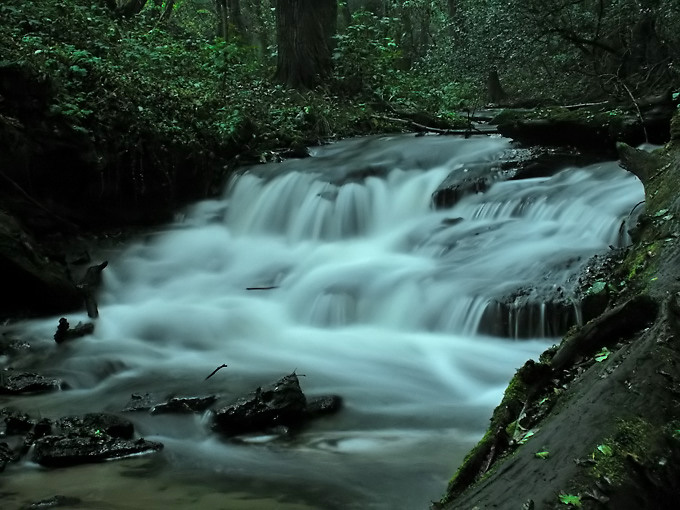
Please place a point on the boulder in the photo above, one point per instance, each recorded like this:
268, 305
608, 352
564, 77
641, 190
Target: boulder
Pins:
25, 382
93, 437
62, 451
282, 404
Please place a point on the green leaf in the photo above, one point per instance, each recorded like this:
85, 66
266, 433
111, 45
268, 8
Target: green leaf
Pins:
602, 355
542, 455
570, 499
527, 436
605, 450
597, 287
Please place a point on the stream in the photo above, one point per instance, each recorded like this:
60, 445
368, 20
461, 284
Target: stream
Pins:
362, 287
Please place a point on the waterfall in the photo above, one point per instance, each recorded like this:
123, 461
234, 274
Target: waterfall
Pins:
372, 294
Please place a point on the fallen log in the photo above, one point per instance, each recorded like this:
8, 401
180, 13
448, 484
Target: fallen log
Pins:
440, 131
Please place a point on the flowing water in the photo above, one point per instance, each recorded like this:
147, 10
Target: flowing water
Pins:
371, 294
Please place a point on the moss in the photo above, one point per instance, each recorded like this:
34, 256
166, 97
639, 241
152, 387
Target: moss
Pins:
497, 440
634, 438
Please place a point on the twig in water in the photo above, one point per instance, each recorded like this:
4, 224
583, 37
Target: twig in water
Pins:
215, 371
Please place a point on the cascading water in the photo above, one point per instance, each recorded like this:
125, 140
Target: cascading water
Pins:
372, 294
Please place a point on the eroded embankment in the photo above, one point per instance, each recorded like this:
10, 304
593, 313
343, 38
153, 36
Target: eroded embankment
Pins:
596, 423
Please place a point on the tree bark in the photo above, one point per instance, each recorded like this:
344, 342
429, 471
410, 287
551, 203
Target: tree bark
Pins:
495, 89
131, 7
304, 32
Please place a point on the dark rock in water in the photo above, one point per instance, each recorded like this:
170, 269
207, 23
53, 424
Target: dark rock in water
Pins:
62, 451
16, 422
514, 164
6, 456
53, 502
184, 405
25, 382
96, 424
280, 405
321, 406
65, 332
139, 402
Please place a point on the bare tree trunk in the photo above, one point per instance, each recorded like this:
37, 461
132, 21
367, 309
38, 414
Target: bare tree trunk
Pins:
494, 87
304, 31
131, 7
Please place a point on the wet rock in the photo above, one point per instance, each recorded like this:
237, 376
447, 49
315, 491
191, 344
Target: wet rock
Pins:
16, 422
93, 437
6, 456
514, 164
322, 406
96, 424
53, 502
26, 383
184, 405
139, 402
65, 332
474, 178
281, 405
62, 451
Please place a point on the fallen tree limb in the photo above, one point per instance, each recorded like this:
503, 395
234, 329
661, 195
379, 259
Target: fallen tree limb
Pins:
422, 128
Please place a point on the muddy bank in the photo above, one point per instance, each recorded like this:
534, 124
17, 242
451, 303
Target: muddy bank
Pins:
596, 423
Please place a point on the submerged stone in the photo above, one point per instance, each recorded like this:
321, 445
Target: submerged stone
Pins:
26, 382
53, 502
184, 405
6, 456
62, 451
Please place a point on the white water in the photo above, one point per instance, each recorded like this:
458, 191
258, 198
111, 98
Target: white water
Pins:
377, 300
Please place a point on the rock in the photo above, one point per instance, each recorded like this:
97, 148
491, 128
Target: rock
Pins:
96, 424
139, 402
62, 451
53, 502
514, 164
93, 437
6, 456
16, 423
30, 280
184, 405
25, 382
65, 332
280, 404
322, 406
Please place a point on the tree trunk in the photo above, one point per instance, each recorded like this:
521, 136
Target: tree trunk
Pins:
304, 32
453, 8
131, 7
494, 88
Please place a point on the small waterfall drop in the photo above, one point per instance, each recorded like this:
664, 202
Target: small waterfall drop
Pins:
370, 292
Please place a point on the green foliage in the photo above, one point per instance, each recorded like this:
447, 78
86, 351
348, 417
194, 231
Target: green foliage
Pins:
366, 56
571, 500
